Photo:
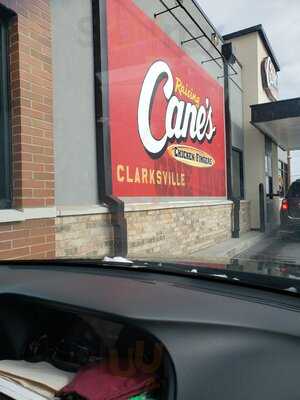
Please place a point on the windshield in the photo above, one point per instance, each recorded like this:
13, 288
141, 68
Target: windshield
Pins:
294, 190
156, 131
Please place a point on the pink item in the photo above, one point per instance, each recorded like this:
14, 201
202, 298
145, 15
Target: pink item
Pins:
99, 382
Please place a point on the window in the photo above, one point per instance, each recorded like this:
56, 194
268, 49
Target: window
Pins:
268, 166
5, 136
283, 178
237, 174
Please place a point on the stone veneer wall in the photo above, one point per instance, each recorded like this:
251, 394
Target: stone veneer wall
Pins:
84, 236
169, 231
177, 231
245, 222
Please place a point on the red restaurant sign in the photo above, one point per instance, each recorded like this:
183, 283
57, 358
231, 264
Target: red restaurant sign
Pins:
166, 112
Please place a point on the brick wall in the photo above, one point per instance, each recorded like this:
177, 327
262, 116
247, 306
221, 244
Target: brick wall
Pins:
32, 129
27, 240
31, 84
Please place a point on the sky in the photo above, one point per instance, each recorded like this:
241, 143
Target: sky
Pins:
280, 19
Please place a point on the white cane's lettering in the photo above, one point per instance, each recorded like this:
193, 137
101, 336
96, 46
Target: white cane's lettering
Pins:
156, 73
182, 118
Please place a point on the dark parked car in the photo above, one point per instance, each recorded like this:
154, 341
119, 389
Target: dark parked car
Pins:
218, 333
290, 209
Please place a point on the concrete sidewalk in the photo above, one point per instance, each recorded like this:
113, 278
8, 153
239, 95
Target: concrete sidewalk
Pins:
232, 247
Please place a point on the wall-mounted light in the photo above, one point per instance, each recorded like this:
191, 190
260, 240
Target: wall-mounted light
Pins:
228, 53
215, 39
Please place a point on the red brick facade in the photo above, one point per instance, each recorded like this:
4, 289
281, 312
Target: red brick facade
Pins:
32, 119
32, 129
32, 239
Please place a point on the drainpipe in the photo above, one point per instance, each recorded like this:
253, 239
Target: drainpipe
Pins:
229, 58
228, 130
103, 145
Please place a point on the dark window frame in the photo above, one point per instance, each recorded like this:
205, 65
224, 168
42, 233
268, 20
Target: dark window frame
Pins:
269, 189
242, 177
5, 115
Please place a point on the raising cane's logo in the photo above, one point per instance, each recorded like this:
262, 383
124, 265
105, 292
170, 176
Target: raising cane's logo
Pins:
183, 119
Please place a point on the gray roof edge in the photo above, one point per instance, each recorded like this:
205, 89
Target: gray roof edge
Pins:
276, 110
260, 30
293, 100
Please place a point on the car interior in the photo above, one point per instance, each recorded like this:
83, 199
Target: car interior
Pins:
70, 339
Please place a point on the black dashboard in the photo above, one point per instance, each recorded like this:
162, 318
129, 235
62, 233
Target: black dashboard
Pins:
224, 341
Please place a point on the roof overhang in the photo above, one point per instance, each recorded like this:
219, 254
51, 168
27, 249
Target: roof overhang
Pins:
262, 34
280, 120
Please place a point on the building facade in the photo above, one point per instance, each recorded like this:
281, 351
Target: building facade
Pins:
113, 124
265, 161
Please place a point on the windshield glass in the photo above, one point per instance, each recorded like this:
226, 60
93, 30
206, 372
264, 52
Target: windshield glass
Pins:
156, 131
294, 190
